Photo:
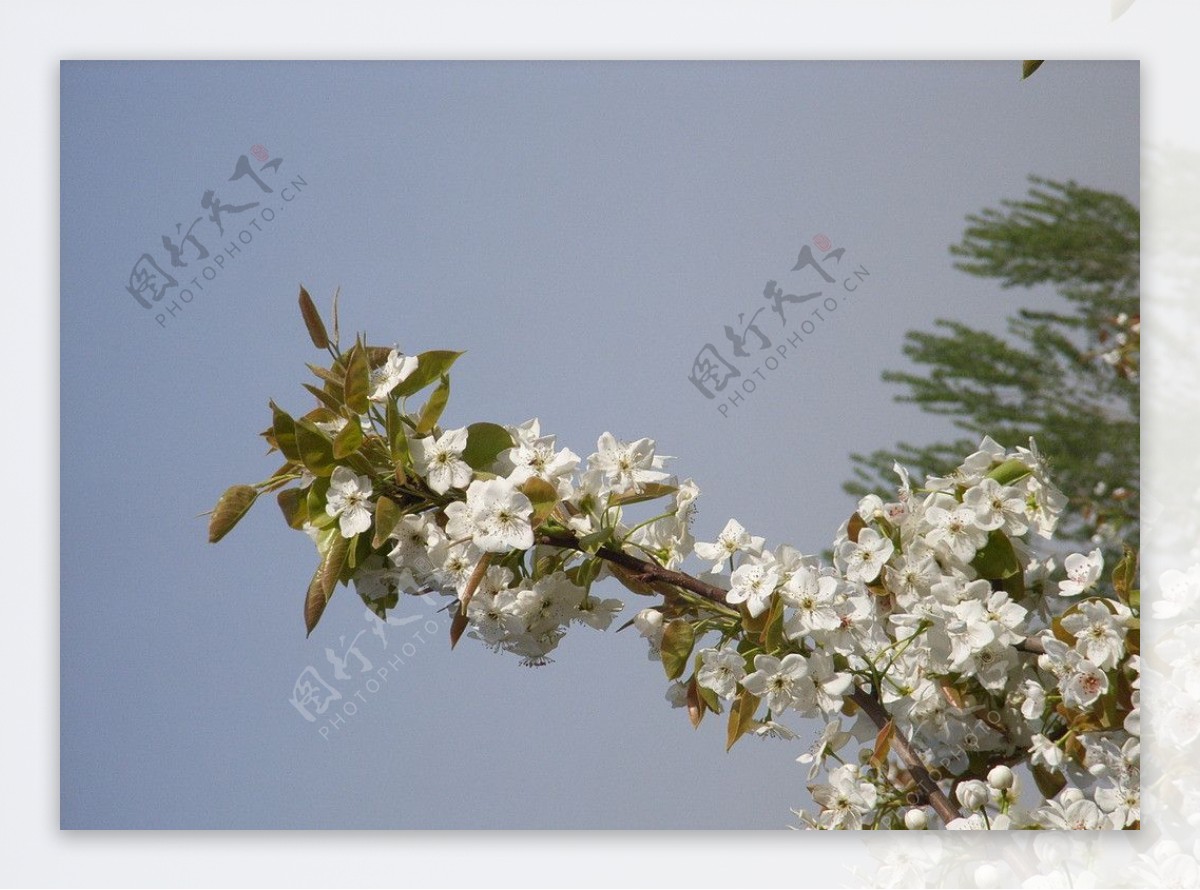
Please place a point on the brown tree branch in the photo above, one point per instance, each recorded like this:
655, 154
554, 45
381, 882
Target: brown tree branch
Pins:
650, 571
925, 781
643, 568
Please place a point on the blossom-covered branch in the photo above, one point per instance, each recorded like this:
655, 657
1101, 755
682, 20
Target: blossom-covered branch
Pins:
937, 627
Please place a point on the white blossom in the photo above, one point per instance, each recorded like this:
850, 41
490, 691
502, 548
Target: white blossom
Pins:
394, 371
349, 500
863, 559
733, 539
776, 679
721, 671
440, 460
1082, 573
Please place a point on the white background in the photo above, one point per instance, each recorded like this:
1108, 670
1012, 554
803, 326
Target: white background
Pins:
36, 37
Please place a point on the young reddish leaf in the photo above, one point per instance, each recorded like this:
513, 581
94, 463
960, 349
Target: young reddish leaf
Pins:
337, 335
230, 508
473, 582
695, 704
1048, 783
883, 744
457, 625
293, 502
358, 380
854, 526
312, 320
648, 492
741, 716
320, 589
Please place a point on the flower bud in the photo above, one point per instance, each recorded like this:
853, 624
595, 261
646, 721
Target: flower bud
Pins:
649, 623
972, 794
987, 875
916, 820
1001, 778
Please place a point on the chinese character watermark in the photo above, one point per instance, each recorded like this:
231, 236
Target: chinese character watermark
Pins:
357, 669
195, 256
728, 379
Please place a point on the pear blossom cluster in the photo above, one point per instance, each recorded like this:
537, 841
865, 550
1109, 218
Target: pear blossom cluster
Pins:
936, 603
509, 607
937, 625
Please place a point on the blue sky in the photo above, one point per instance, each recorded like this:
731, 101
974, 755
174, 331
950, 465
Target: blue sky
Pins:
582, 230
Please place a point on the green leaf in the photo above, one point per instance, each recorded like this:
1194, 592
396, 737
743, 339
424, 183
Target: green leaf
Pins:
316, 450
348, 440
326, 375
315, 500
1029, 66
597, 539
293, 502
231, 507
677, 641
358, 380
312, 320
709, 698
1124, 576
320, 589
327, 399
394, 426
485, 442
381, 606
649, 491
432, 411
387, 517
772, 636
1048, 783
284, 430
430, 366
543, 496
997, 559
401, 455
1014, 585
1012, 470
741, 716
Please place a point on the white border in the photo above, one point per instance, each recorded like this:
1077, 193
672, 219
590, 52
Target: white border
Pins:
37, 35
